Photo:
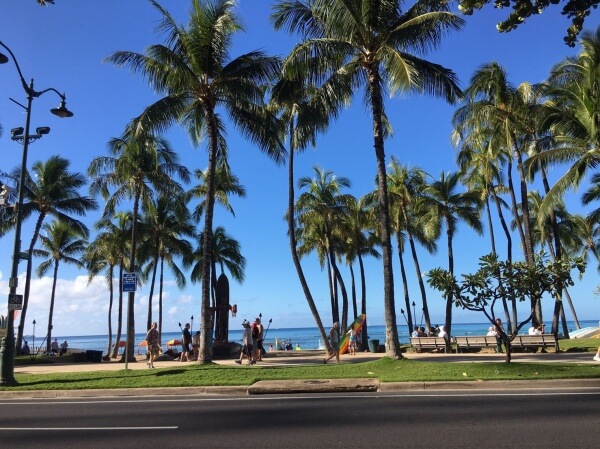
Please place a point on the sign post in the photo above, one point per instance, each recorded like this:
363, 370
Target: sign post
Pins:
129, 282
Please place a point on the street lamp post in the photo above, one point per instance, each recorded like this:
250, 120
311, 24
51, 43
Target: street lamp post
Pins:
7, 345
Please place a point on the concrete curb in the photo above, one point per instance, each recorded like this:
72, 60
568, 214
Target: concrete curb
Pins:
313, 386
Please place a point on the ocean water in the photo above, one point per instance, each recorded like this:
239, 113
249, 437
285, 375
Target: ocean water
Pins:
306, 337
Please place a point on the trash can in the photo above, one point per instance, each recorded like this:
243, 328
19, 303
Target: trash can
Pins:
93, 356
374, 345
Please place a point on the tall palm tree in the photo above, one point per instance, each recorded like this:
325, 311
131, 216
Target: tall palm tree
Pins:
138, 167
55, 192
303, 110
374, 43
451, 207
320, 210
406, 186
167, 223
109, 250
361, 241
60, 244
498, 109
480, 162
195, 73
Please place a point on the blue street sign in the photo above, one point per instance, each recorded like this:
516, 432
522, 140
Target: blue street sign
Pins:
129, 282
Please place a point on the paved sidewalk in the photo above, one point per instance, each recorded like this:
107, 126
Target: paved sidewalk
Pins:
295, 358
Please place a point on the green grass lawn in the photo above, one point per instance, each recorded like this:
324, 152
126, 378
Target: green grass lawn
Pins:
385, 369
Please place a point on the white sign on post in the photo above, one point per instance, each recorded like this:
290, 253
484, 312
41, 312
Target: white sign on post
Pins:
129, 282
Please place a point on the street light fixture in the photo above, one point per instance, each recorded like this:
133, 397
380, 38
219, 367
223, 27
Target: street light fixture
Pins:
7, 344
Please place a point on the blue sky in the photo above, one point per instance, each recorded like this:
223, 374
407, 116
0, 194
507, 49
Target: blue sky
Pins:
63, 46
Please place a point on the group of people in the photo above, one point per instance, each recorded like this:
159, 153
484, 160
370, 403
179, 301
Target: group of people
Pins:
189, 344
419, 331
54, 347
252, 342
334, 341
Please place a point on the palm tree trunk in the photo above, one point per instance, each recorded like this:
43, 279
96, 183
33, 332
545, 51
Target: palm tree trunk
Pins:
36, 233
120, 314
335, 312
510, 324
160, 298
293, 245
110, 306
450, 298
392, 343
129, 354
404, 285
205, 353
151, 294
354, 302
340, 280
413, 251
363, 332
51, 312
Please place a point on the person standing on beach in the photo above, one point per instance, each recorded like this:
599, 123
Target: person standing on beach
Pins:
334, 341
153, 345
259, 330
186, 340
246, 344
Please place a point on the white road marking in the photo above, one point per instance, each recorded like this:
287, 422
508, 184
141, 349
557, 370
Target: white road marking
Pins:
61, 429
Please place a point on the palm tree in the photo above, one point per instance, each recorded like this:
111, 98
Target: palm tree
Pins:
197, 77
320, 211
108, 250
304, 110
55, 192
370, 42
573, 105
480, 162
167, 223
359, 224
138, 167
60, 244
498, 110
226, 185
225, 252
450, 206
406, 186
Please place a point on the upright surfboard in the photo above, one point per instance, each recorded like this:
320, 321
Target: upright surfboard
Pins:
357, 326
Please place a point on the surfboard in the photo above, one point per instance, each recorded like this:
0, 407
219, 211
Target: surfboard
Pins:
357, 326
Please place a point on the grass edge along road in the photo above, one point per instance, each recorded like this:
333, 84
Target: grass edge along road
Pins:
384, 369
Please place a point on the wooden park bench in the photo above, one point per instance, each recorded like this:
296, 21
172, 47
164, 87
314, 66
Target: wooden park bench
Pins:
475, 341
420, 343
536, 341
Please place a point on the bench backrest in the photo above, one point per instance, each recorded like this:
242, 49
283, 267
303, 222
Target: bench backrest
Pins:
534, 339
477, 341
437, 342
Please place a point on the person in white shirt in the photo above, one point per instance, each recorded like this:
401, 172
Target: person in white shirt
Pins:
536, 329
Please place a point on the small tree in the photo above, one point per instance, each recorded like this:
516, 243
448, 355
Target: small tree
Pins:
480, 291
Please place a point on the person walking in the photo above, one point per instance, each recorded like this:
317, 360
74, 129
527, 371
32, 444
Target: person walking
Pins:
334, 340
259, 331
351, 341
186, 340
153, 344
597, 356
246, 344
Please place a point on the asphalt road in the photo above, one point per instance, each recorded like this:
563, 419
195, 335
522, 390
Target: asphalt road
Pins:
441, 419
